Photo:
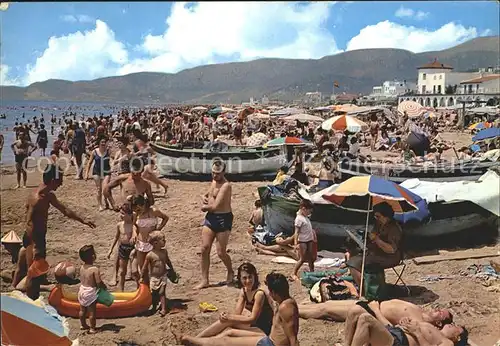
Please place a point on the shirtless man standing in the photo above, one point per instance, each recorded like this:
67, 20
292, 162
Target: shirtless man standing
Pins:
132, 184
218, 223
285, 322
393, 310
34, 239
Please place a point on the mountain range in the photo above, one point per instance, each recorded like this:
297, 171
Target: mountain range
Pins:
355, 71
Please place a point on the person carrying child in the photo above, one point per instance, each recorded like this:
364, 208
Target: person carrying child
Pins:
91, 282
126, 233
155, 266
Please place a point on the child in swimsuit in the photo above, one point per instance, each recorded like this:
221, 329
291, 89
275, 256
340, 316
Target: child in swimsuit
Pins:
155, 266
90, 278
126, 234
146, 222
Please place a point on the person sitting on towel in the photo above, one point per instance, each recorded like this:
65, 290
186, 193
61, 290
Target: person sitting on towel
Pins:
383, 249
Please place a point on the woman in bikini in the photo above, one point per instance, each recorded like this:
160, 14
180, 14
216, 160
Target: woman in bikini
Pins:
101, 172
146, 222
251, 298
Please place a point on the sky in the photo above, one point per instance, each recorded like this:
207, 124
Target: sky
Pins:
89, 40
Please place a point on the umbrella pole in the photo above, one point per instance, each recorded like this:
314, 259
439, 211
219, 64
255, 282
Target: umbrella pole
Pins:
364, 248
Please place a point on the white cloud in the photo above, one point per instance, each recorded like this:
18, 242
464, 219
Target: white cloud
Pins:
195, 34
392, 35
77, 56
404, 12
198, 34
81, 18
205, 33
4, 76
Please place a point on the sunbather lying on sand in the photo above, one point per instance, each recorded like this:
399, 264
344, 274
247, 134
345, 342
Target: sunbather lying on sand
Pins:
373, 328
282, 248
392, 310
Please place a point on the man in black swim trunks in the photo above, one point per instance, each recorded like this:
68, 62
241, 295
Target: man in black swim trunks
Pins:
369, 326
218, 223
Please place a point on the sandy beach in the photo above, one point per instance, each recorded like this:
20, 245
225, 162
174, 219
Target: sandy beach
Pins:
473, 304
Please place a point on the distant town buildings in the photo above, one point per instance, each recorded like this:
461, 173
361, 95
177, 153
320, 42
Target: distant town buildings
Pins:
439, 86
313, 98
392, 89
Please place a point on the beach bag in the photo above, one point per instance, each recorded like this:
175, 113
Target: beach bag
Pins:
172, 276
332, 288
374, 284
104, 297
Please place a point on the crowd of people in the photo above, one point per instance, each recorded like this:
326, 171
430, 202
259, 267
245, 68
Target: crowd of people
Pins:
114, 151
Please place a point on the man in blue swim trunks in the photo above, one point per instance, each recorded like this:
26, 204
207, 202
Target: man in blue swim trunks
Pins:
217, 224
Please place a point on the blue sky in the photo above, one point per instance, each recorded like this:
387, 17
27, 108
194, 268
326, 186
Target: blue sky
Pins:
80, 41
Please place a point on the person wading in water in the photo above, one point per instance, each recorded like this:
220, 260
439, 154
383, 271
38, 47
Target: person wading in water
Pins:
34, 239
218, 223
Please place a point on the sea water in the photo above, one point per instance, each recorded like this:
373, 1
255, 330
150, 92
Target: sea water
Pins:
14, 111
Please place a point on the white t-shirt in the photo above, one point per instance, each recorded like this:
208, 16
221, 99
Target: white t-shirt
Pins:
354, 148
306, 232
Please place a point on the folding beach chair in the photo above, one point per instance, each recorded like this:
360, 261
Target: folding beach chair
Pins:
400, 274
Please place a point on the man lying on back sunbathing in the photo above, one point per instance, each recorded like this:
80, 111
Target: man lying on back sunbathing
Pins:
373, 328
393, 310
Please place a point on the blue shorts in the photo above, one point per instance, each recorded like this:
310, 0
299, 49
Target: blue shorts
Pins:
265, 341
219, 222
323, 184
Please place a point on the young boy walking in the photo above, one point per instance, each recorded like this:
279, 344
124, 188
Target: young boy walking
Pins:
156, 264
126, 233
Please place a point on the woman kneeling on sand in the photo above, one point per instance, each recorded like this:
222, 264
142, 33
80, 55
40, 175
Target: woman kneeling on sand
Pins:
251, 298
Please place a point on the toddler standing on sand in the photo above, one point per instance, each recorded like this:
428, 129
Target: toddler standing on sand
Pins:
126, 233
155, 264
90, 278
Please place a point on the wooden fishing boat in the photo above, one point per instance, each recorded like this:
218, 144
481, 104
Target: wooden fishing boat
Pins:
332, 221
126, 303
469, 171
198, 160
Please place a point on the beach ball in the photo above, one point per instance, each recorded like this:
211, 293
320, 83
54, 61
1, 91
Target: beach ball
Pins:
65, 270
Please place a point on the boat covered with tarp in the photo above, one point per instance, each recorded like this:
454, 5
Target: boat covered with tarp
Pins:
451, 208
427, 171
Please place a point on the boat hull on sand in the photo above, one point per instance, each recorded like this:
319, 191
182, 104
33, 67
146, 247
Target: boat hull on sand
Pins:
238, 160
332, 221
467, 171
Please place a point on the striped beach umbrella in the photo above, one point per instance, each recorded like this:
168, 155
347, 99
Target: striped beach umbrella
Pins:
344, 122
28, 322
358, 192
284, 141
412, 108
480, 125
362, 193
